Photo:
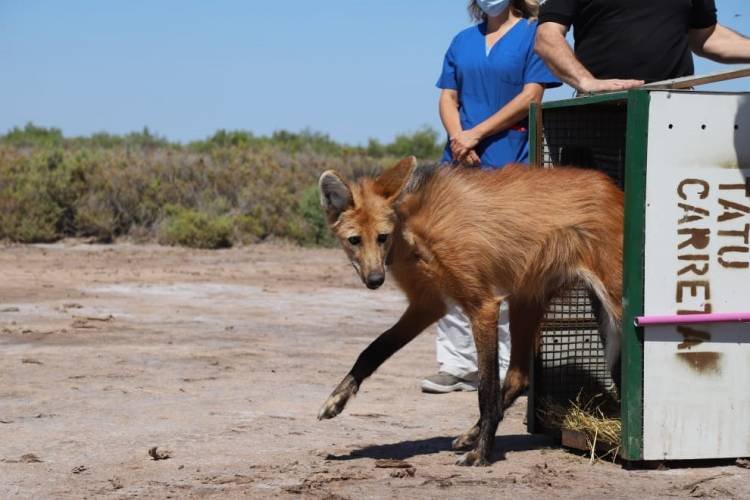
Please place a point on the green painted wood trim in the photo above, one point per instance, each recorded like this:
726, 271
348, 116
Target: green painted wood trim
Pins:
633, 269
585, 100
534, 135
531, 417
534, 160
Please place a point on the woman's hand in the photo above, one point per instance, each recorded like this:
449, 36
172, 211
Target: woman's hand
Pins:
460, 141
470, 159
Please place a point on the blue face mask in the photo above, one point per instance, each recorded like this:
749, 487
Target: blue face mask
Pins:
492, 7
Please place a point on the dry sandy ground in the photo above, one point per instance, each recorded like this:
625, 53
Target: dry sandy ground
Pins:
223, 358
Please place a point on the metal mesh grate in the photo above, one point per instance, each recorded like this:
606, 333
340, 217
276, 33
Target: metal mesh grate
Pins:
591, 136
571, 355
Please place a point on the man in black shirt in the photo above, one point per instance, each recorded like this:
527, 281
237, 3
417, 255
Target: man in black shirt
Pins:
620, 44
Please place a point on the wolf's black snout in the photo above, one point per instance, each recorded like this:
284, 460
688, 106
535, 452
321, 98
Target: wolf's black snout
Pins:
374, 280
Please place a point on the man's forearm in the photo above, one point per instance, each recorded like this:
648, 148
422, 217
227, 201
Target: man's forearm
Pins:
554, 50
723, 45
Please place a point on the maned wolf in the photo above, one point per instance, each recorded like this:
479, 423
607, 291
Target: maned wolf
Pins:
477, 238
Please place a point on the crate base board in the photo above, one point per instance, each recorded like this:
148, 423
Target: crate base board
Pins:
577, 441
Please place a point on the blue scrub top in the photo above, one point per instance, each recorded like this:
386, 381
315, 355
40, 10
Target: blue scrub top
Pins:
488, 81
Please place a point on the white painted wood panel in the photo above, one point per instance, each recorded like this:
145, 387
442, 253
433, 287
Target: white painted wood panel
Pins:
697, 379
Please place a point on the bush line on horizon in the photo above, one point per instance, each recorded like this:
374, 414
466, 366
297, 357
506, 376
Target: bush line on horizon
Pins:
232, 188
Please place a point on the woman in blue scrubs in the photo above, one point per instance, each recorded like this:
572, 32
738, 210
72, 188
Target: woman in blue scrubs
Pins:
490, 77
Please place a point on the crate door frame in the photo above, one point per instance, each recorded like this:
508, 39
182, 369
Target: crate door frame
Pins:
636, 146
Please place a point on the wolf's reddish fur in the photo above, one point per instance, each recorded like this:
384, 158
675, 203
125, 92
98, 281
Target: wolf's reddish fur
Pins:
477, 238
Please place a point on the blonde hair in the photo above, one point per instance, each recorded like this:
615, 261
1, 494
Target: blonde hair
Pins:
529, 9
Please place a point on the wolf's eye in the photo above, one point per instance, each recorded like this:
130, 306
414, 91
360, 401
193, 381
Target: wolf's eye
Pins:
382, 238
354, 240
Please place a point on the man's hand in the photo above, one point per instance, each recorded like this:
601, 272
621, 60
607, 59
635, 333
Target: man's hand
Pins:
594, 85
552, 47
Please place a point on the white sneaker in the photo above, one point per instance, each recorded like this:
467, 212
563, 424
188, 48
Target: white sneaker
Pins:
442, 382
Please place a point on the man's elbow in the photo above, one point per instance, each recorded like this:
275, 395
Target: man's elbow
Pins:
701, 48
548, 36
541, 45
711, 53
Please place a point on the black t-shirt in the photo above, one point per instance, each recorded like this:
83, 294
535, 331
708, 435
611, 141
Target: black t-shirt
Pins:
641, 39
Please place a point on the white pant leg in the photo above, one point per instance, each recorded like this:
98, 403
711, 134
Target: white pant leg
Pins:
503, 340
456, 353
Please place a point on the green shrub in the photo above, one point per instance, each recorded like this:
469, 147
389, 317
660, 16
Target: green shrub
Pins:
311, 227
31, 136
34, 197
423, 143
94, 216
190, 228
232, 188
26, 217
247, 229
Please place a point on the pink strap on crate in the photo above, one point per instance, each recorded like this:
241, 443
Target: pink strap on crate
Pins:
687, 319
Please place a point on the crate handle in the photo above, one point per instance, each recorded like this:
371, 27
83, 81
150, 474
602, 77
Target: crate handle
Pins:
693, 81
688, 319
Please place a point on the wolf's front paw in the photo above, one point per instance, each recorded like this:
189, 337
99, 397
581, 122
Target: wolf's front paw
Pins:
333, 406
338, 398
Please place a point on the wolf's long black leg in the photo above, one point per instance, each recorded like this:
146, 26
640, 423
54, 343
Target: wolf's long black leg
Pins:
414, 320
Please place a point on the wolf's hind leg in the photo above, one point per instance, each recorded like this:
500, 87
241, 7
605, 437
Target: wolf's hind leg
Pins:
468, 439
484, 327
525, 320
607, 305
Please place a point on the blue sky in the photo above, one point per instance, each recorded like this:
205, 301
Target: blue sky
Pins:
185, 68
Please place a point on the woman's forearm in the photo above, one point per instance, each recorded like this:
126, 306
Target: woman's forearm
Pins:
510, 114
505, 118
449, 114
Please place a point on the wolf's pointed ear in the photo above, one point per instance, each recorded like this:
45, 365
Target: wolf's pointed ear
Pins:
390, 182
335, 195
